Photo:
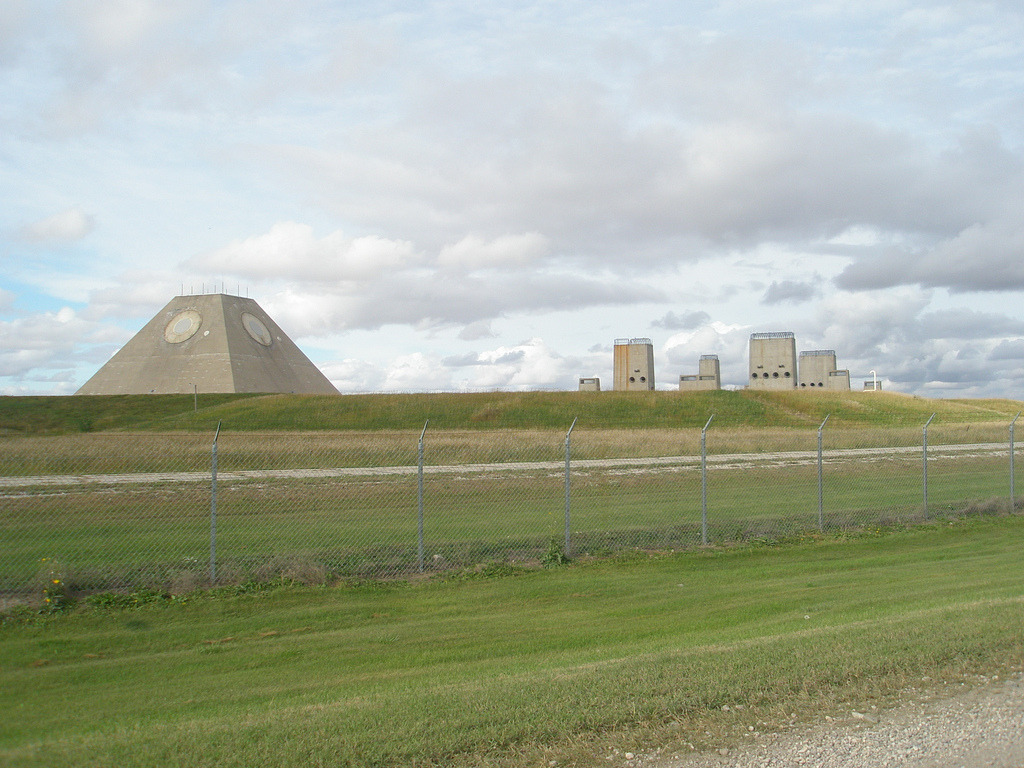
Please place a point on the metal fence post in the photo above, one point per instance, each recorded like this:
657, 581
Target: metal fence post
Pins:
821, 514
213, 508
704, 482
1013, 497
568, 453
924, 459
419, 494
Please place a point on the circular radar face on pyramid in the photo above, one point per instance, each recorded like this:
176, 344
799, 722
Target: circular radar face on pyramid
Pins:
183, 326
256, 329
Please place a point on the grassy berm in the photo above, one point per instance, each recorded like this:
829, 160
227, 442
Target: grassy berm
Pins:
489, 410
574, 664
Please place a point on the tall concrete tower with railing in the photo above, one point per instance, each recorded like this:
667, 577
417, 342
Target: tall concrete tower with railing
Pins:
633, 365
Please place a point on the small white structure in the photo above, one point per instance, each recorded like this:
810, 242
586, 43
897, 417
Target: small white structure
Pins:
590, 384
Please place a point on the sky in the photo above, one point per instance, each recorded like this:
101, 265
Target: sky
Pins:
466, 196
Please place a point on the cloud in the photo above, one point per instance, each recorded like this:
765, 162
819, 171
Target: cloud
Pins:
40, 341
682, 351
792, 291
416, 373
66, 226
481, 329
340, 283
959, 323
508, 251
670, 321
352, 375
916, 350
291, 250
1008, 349
531, 364
985, 256
462, 361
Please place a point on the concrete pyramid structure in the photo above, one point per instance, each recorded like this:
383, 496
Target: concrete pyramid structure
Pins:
210, 343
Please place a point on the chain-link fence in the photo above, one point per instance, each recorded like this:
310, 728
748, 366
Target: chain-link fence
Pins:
178, 511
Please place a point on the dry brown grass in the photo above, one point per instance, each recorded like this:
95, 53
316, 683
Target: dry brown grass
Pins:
99, 453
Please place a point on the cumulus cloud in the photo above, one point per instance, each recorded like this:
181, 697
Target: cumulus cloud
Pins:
481, 329
292, 250
416, 373
789, 291
1008, 349
352, 375
337, 282
682, 351
66, 226
916, 350
509, 251
986, 256
531, 364
671, 321
39, 341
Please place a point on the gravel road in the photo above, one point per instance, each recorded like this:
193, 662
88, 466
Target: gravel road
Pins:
982, 727
639, 464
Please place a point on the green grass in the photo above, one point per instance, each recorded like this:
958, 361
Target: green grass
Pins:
517, 669
489, 410
94, 413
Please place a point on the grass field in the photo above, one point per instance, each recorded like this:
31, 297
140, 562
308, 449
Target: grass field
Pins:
517, 667
498, 662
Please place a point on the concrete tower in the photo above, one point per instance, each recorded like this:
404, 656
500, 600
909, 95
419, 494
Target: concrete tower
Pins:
209, 343
818, 370
772, 361
815, 366
633, 364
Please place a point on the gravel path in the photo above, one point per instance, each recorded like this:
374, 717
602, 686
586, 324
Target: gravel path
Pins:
980, 728
639, 464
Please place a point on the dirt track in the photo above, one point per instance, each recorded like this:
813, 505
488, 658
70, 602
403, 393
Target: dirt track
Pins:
652, 463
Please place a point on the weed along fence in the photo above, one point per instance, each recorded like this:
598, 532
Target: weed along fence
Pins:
176, 511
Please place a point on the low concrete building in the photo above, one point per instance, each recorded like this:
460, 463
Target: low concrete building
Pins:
818, 370
839, 380
590, 384
709, 375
